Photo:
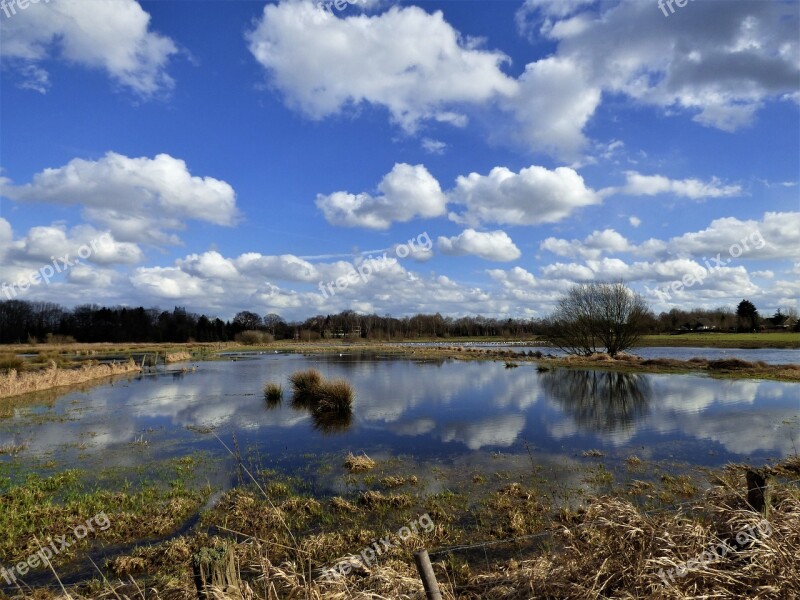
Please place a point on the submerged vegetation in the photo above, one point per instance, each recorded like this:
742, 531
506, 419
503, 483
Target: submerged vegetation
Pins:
623, 544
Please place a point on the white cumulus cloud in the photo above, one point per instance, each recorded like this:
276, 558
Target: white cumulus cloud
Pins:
137, 199
404, 193
409, 61
534, 195
489, 245
113, 35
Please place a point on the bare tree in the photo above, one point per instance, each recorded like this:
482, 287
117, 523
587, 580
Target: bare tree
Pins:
595, 317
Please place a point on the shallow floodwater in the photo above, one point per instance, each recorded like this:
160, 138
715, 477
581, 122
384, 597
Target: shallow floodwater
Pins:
446, 410
772, 356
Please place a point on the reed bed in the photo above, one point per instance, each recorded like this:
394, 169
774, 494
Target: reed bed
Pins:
173, 357
14, 383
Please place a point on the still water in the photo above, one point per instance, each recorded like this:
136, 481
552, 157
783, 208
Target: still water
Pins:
772, 356
448, 410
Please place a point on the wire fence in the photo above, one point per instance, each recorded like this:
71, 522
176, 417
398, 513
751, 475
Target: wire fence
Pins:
452, 563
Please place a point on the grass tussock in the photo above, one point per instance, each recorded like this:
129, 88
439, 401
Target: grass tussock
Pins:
305, 383
14, 383
334, 396
358, 464
273, 393
11, 361
323, 397
511, 365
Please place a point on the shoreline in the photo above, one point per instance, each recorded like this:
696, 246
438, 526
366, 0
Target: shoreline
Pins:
13, 384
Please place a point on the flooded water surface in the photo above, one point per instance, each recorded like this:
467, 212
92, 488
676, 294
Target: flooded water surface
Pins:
450, 410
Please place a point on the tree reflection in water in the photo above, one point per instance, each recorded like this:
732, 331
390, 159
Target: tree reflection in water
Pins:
599, 400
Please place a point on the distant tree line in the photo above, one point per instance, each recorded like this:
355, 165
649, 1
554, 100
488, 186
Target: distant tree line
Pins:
22, 321
745, 318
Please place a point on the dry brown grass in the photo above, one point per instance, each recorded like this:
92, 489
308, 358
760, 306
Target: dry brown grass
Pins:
611, 549
13, 383
173, 357
10, 361
334, 396
358, 464
616, 551
373, 499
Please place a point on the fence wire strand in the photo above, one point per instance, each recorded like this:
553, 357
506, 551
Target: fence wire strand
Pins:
449, 550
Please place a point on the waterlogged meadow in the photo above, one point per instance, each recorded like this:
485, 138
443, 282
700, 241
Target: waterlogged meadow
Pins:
238, 449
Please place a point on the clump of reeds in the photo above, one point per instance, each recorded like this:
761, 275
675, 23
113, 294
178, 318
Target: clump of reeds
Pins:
305, 385
358, 464
323, 397
11, 361
511, 365
273, 393
334, 396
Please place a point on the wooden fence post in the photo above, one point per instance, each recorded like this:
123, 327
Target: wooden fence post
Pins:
426, 574
758, 495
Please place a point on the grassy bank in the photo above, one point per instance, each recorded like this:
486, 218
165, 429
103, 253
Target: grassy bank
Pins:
727, 368
14, 383
608, 538
723, 340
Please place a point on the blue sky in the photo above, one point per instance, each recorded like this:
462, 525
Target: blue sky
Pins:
236, 155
